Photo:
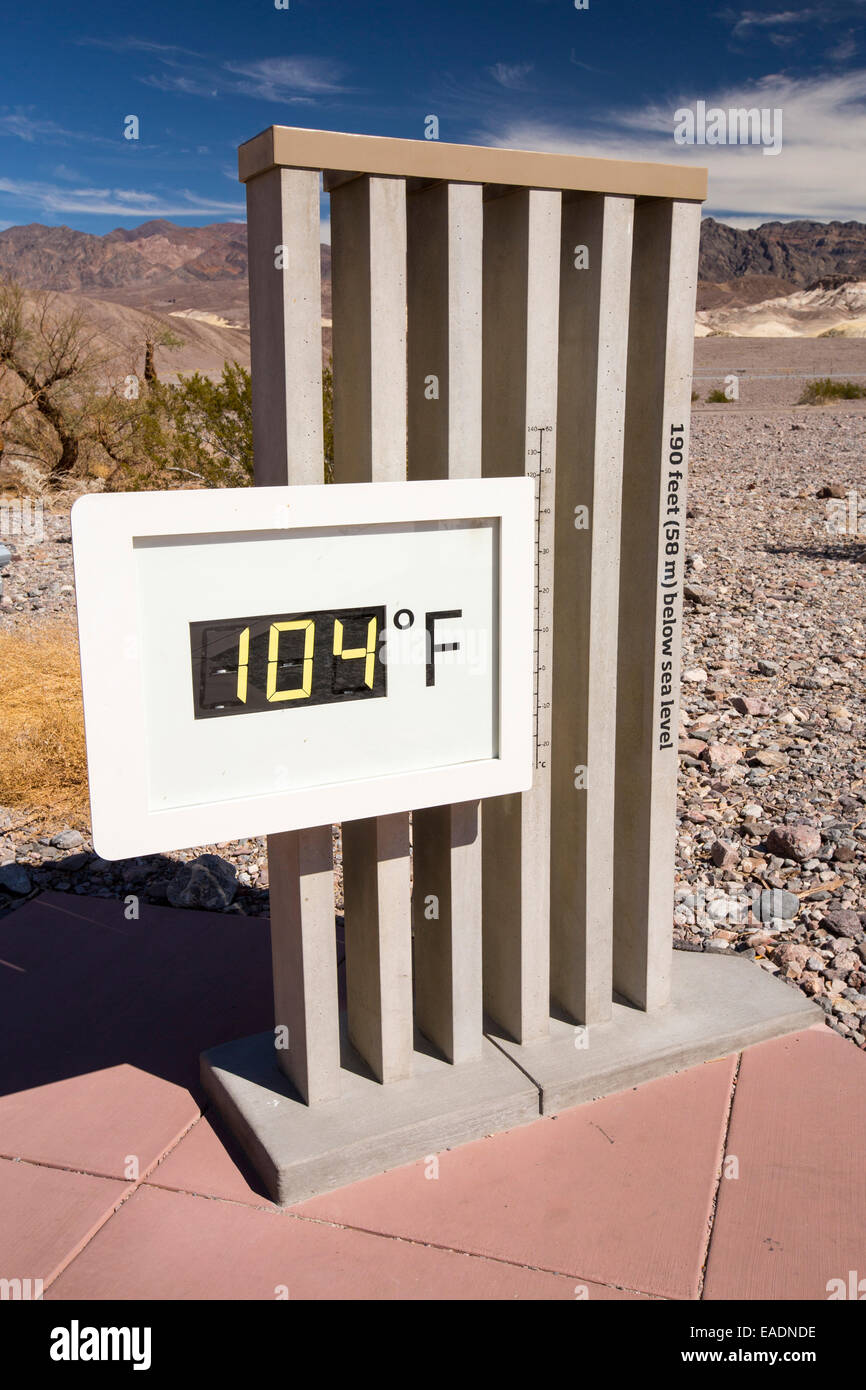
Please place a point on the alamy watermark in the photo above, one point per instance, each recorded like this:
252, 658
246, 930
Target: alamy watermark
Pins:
22, 518
846, 516
739, 125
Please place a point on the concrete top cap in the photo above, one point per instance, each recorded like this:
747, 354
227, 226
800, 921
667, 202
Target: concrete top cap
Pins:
340, 156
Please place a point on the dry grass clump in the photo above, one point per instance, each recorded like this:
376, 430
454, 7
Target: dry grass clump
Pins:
828, 388
43, 769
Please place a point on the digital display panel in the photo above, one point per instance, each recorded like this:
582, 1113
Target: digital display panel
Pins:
287, 661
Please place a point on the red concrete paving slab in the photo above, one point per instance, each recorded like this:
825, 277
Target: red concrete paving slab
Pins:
619, 1191
84, 990
795, 1216
98, 1122
47, 1215
208, 1161
171, 1245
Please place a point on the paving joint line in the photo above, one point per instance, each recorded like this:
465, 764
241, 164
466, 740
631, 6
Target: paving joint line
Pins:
271, 1208
711, 1225
477, 1255
133, 1186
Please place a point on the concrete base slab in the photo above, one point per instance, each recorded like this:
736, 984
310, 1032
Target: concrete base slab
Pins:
301, 1151
718, 1005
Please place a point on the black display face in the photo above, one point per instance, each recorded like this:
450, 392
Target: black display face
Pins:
287, 661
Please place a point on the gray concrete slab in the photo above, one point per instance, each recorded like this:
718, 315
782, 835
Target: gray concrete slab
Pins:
717, 1006
301, 1151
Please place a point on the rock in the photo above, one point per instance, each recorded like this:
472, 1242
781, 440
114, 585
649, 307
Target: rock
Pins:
76, 862
750, 704
843, 1006
721, 755
847, 961
769, 757
789, 954
845, 854
15, 879
727, 909
724, 855
840, 946
831, 490
760, 940
800, 842
68, 839
691, 747
841, 921
695, 675
207, 882
768, 668
776, 902
696, 563
811, 984
698, 593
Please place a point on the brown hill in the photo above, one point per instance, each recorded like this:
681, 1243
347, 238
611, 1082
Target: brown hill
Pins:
796, 252
749, 289
59, 258
117, 334
157, 265
159, 253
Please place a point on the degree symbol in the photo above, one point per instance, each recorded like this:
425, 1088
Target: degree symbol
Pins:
409, 616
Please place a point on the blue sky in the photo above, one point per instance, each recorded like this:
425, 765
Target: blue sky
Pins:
203, 77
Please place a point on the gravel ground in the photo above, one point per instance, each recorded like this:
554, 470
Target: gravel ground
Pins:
771, 840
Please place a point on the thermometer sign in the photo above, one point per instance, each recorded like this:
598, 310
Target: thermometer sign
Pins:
390, 623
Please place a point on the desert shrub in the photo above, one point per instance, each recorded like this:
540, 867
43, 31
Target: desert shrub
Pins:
212, 424
828, 388
43, 771
718, 397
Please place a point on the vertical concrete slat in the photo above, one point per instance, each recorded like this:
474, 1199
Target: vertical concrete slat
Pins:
593, 343
368, 268
658, 404
286, 357
520, 349
445, 227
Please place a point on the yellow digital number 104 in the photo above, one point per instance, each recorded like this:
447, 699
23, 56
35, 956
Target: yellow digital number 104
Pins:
308, 627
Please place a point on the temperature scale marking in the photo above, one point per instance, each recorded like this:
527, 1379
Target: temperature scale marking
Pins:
543, 603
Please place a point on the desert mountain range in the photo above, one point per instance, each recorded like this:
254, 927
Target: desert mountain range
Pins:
780, 279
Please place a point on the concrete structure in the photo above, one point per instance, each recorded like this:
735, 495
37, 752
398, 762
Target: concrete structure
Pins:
495, 312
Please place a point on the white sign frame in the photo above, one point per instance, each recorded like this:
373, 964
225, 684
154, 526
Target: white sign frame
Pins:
104, 527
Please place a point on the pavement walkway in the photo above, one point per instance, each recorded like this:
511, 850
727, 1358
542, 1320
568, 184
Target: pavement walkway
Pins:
739, 1179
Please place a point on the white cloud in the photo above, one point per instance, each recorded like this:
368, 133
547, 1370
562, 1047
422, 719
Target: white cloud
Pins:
843, 50
25, 127
290, 81
165, 51
276, 78
752, 19
53, 199
511, 75
819, 172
